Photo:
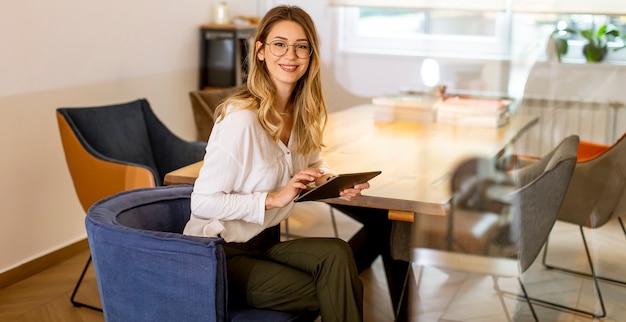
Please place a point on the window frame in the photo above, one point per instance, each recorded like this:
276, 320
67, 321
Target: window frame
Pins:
495, 47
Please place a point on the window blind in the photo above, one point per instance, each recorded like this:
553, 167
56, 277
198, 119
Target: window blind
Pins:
478, 5
599, 7
593, 7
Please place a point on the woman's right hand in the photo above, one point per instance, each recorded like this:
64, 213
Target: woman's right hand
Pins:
297, 183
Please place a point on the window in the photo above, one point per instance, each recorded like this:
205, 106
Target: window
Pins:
496, 35
451, 33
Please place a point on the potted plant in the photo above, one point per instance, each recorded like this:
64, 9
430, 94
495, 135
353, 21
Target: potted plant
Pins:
597, 41
560, 37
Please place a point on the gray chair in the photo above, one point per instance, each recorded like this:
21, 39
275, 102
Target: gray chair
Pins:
596, 195
512, 215
147, 270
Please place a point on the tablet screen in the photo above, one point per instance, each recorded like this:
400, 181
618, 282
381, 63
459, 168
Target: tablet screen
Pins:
334, 185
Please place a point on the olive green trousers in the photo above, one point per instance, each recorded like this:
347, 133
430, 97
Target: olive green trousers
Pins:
300, 275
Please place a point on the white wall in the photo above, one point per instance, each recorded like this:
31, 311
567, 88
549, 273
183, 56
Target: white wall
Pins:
80, 53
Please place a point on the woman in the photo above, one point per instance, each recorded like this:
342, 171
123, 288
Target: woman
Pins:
263, 150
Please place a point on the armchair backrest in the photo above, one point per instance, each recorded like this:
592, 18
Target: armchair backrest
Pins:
145, 268
115, 132
203, 104
119, 147
536, 203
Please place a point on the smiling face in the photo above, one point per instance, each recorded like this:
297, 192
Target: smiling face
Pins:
285, 70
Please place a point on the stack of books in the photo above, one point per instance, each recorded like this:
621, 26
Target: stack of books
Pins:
406, 108
472, 111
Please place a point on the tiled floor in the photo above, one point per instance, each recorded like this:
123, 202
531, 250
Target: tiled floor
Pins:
457, 296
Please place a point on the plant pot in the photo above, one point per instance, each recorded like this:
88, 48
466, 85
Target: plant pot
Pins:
594, 54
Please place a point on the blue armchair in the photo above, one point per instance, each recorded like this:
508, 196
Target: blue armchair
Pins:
148, 271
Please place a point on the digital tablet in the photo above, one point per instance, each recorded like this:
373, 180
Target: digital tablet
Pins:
333, 186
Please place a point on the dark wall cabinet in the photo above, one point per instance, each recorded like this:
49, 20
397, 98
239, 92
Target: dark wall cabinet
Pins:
223, 50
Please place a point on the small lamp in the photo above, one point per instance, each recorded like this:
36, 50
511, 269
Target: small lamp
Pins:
430, 77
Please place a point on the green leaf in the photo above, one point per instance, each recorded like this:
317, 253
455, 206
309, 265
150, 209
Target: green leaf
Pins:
601, 32
614, 33
561, 46
612, 30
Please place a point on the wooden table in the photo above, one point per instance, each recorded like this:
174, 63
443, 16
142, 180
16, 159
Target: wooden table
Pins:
416, 159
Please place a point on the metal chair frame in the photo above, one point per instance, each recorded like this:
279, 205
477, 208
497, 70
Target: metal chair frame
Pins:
78, 283
595, 278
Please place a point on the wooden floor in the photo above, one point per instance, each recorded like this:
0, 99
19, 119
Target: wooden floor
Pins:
442, 296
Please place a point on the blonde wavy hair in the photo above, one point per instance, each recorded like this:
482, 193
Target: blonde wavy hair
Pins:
309, 107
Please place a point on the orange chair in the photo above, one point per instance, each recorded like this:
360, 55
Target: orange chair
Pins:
109, 149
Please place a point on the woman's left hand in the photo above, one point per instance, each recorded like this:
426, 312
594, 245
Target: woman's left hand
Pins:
354, 192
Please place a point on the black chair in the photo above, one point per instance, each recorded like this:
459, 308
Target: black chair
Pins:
119, 147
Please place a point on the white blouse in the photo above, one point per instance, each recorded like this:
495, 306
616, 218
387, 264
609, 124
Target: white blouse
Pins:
241, 165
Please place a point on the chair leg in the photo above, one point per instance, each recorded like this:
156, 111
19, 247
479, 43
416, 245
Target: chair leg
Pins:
80, 280
528, 299
401, 313
593, 276
404, 292
499, 291
523, 296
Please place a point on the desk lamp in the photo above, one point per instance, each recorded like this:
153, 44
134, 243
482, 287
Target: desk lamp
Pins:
430, 78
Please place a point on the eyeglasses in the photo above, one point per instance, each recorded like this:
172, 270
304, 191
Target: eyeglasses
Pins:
279, 48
